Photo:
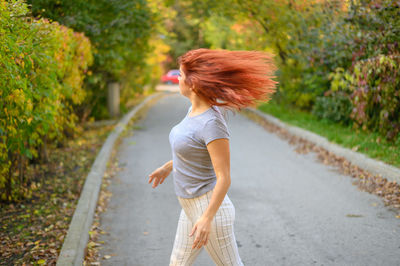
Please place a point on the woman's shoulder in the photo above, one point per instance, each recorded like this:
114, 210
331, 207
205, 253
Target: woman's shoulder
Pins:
220, 113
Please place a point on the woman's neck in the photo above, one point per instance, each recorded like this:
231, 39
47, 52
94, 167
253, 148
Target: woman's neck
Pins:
198, 105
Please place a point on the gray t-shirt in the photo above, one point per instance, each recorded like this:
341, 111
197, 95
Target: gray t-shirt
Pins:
193, 172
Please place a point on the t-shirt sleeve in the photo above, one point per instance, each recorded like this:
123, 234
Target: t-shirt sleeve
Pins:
215, 129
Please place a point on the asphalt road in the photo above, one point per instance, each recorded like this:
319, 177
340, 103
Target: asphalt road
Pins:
290, 209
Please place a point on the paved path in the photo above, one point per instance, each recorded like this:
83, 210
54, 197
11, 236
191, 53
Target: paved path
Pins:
290, 209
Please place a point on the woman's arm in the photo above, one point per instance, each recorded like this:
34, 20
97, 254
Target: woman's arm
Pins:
159, 175
168, 165
220, 157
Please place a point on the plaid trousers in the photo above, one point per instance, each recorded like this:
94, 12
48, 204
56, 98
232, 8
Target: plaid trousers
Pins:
221, 245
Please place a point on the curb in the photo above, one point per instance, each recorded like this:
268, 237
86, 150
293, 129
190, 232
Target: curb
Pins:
73, 248
373, 166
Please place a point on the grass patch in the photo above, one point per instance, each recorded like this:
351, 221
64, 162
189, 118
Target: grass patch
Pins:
370, 143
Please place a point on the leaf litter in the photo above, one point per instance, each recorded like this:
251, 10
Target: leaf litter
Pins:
33, 230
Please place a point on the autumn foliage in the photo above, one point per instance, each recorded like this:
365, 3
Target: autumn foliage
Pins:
337, 59
42, 68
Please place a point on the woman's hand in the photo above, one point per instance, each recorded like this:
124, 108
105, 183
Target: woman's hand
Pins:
159, 175
203, 228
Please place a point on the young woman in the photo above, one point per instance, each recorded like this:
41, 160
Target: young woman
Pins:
200, 148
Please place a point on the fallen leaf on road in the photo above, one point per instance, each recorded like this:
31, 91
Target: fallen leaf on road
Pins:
106, 257
354, 215
145, 233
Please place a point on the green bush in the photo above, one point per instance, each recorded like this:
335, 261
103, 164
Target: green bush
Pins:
304, 86
42, 67
372, 81
119, 30
359, 55
336, 107
372, 87
376, 95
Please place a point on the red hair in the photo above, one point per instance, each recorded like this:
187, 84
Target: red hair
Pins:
237, 78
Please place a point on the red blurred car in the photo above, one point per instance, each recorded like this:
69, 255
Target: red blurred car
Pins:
171, 77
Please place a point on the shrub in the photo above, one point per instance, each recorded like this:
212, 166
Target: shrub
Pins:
119, 30
335, 107
41, 72
376, 95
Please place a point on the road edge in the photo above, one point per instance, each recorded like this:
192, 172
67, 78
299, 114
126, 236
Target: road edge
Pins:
373, 166
73, 249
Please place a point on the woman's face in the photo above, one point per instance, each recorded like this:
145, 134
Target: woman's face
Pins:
184, 88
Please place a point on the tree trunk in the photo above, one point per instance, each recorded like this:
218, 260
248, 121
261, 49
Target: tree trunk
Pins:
21, 169
43, 154
9, 179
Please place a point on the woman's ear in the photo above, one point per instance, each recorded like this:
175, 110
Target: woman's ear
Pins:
192, 81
